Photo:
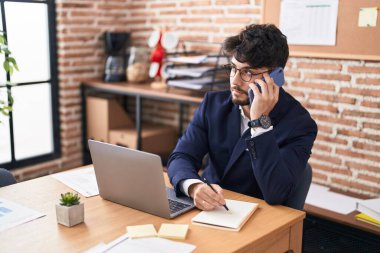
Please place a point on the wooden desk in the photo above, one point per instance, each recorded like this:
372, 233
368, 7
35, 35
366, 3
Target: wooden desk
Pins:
270, 229
348, 220
139, 91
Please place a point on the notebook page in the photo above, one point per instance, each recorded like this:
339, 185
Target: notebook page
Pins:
239, 211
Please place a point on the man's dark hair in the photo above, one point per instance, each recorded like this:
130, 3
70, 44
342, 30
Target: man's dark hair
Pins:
259, 46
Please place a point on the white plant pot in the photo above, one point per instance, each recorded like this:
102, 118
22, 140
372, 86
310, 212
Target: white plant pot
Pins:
70, 215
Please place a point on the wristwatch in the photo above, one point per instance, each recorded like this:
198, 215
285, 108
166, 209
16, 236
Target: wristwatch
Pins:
264, 122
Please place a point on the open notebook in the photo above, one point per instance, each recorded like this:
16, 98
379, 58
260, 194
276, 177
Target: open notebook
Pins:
233, 220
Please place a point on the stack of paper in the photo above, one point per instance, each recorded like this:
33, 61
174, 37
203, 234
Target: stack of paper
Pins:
82, 181
12, 214
234, 219
124, 244
370, 211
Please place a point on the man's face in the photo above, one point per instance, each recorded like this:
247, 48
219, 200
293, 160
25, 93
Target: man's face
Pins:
239, 82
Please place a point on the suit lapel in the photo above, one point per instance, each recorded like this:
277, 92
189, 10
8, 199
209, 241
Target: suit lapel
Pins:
239, 148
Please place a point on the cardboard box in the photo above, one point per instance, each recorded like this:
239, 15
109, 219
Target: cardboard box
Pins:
104, 114
155, 139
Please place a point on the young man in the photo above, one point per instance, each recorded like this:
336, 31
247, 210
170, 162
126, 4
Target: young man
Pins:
265, 159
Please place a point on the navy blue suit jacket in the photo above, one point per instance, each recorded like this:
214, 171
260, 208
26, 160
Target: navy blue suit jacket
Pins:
267, 166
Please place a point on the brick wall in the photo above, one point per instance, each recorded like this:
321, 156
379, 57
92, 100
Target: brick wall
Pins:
342, 95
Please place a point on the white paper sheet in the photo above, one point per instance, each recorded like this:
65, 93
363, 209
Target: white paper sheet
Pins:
151, 245
13, 214
82, 181
193, 72
322, 198
309, 22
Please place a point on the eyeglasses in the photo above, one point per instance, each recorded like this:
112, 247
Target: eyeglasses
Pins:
245, 73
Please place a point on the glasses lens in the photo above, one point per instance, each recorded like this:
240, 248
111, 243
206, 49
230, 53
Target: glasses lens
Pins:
245, 75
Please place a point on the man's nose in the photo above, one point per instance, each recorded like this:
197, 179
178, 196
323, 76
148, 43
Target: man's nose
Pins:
236, 80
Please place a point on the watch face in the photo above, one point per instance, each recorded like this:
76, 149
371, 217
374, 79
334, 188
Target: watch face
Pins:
265, 121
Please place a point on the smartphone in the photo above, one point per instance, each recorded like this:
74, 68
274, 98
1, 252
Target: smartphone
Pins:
278, 77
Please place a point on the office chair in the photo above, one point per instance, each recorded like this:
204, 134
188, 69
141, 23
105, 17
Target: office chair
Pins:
6, 178
298, 197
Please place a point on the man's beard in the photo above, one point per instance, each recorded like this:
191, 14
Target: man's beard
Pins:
241, 102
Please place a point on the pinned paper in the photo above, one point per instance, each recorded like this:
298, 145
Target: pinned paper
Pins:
368, 17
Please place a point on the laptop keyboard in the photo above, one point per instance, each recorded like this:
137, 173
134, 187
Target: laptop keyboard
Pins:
176, 206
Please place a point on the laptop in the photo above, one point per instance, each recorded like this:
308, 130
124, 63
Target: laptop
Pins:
135, 179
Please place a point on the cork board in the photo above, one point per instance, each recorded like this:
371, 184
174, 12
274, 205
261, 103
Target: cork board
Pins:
352, 42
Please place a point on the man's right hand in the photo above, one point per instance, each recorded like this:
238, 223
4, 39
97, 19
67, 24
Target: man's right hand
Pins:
205, 198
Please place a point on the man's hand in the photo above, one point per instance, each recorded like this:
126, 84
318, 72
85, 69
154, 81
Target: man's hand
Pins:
264, 101
205, 198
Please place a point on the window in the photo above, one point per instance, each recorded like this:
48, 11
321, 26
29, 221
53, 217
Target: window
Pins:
31, 134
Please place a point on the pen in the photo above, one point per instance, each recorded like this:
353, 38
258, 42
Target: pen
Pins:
212, 188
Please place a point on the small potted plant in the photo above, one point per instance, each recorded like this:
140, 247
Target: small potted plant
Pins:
70, 211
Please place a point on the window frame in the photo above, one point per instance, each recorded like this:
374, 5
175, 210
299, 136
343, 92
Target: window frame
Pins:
53, 81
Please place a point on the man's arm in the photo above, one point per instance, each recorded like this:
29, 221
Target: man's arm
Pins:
279, 169
186, 159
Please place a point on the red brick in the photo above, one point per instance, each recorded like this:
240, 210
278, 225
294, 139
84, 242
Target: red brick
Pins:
336, 140
330, 119
233, 30
371, 104
321, 147
195, 3
317, 86
195, 20
292, 73
375, 81
317, 175
84, 13
208, 29
162, 5
233, 20
325, 129
360, 69
194, 38
207, 12
142, 14
356, 154
248, 11
329, 108
338, 77
310, 65
363, 92
206, 48
229, 2
336, 98
361, 114
76, 5
363, 167
356, 185
325, 158
135, 6
371, 125
358, 134
342, 171
173, 12
365, 146
369, 178
109, 6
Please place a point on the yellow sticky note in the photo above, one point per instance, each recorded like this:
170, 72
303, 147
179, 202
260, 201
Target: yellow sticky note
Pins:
141, 231
368, 17
173, 231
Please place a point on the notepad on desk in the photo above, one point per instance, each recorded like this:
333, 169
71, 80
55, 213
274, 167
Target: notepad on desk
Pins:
141, 231
234, 219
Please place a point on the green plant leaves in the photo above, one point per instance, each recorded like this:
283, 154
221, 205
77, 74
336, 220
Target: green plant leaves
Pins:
69, 199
